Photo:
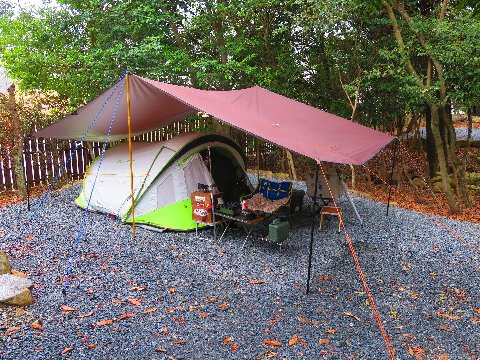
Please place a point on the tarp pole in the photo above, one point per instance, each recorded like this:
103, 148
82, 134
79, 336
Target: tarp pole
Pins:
394, 157
313, 228
127, 79
257, 148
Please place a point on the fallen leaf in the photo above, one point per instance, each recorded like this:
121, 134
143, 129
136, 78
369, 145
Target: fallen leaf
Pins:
203, 315
18, 273
66, 350
293, 340
162, 350
36, 325
210, 299
135, 302
171, 290
324, 341
84, 340
411, 351
331, 331
104, 322
447, 315
66, 308
446, 328
148, 311
117, 302
138, 288
408, 336
126, 316
475, 320
304, 320
352, 315
223, 305
179, 342
272, 342
12, 330
324, 278
256, 282
444, 357
92, 346
85, 315
234, 346
227, 340
90, 290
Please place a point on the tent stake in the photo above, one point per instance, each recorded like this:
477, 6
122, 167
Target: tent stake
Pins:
311, 232
131, 153
394, 157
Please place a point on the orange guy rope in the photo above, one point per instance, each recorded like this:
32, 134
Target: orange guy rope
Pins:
437, 222
390, 349
127, 79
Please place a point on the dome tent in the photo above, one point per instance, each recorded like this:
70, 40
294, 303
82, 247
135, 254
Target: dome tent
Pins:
166, 173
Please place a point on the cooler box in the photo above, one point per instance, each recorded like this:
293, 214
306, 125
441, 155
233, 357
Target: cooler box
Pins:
278, 230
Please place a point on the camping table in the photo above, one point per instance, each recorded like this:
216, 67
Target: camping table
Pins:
247, 224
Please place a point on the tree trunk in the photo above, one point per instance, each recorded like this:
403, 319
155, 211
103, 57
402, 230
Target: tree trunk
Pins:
19, 175
431, 151
457, 166
442, 161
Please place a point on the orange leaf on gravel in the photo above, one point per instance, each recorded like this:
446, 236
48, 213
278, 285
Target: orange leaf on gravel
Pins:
36, 326
148, 311
126, 316
234, 347
92, 346
444, 357
171, 290
227, 340
256, 282
324, 341
85, 315
104, 322
135, 302
331, 331
293, 340
66, 308
66, 350
324, 278
179, 342
446, 328
223, 306
138, 288
272, 342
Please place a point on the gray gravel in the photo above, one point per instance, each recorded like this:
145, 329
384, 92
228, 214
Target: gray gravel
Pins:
198, 292
461, 133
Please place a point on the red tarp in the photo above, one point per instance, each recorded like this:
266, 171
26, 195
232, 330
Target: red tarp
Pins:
257, 111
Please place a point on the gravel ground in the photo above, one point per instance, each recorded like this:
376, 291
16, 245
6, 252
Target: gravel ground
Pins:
192, 299
461, 133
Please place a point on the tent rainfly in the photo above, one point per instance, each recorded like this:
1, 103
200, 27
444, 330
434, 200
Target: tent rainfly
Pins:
282, 121
166, 173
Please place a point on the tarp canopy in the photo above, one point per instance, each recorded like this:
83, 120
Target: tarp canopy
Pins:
282, 121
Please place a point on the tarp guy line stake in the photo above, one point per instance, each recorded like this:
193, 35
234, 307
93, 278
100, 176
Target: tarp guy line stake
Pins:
63, 169
376, 314
85, 212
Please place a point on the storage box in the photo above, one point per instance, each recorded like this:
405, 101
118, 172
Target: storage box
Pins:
278, 230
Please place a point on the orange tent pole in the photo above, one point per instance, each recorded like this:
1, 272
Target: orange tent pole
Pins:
131, 153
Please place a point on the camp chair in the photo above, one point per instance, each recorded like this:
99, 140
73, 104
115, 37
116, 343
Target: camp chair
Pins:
269, 196
337, 187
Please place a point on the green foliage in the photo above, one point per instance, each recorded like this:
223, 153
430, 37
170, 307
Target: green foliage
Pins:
325, 53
